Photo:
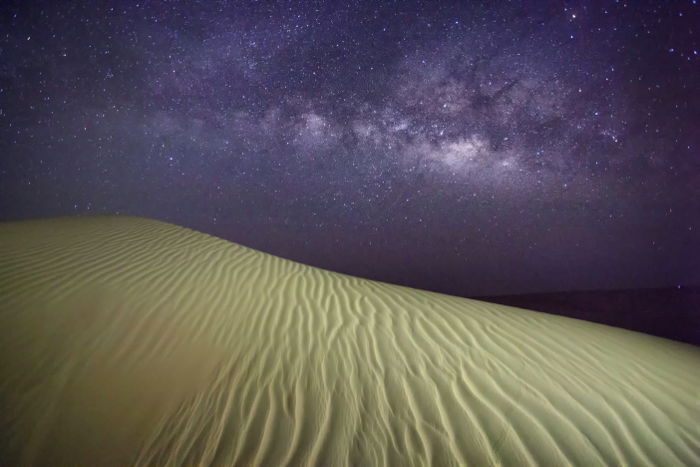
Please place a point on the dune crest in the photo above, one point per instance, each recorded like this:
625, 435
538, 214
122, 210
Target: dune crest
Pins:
132, 341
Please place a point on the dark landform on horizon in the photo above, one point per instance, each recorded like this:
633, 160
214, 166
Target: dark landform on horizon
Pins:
673, 313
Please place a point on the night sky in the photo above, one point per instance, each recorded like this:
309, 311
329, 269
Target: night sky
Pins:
481, 148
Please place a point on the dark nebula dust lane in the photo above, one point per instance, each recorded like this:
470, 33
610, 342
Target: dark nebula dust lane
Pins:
480, 149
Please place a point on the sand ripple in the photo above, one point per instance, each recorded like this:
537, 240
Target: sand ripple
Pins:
131, 341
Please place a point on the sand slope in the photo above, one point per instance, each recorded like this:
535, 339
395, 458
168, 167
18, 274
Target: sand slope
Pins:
126, 340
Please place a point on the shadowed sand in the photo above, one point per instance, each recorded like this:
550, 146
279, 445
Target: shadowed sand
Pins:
132, 341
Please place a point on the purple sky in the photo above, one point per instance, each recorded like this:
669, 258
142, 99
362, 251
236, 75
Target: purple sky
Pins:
495, 148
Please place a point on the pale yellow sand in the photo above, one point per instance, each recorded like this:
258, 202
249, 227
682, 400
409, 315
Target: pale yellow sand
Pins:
126, 340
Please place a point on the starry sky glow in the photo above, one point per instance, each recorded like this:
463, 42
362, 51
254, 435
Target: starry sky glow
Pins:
475, 148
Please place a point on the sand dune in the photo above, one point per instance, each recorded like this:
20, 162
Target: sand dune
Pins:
132, 341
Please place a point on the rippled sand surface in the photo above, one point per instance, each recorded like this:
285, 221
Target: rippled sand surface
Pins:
131, 341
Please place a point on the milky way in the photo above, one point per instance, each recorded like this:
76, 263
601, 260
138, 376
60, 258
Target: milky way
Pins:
521, 146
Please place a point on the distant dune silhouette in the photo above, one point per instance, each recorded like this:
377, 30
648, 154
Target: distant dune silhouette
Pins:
673, 313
